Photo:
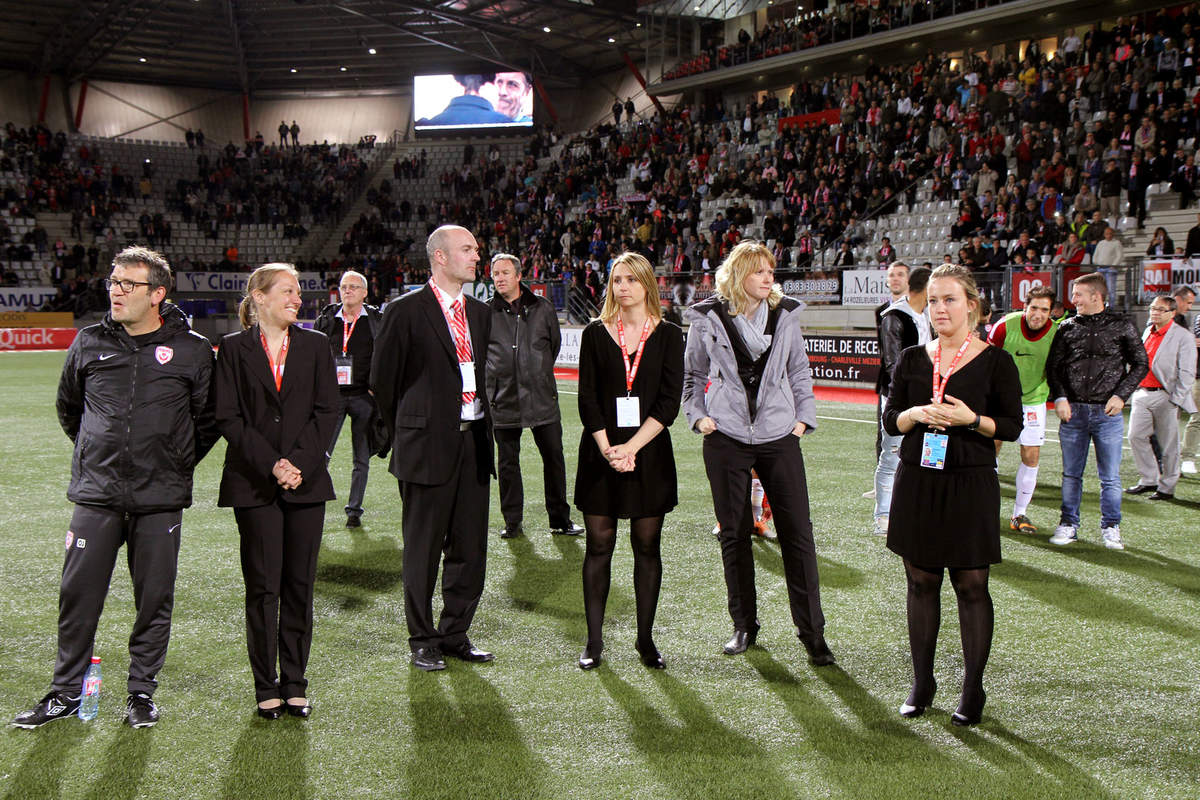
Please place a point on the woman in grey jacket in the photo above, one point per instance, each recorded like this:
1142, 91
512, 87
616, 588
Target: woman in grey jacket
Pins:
748, 390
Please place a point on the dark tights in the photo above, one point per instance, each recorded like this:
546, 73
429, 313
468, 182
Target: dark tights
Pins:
975, 622
645, 533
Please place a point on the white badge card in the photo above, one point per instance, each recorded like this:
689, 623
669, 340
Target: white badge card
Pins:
933, 450
468, 375
629, 412
345, 371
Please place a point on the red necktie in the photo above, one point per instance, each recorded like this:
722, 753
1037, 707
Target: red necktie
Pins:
462, 346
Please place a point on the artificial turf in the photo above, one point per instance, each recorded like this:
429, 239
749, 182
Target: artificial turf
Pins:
1092, 687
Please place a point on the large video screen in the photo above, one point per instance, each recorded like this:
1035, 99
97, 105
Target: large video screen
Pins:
487, 100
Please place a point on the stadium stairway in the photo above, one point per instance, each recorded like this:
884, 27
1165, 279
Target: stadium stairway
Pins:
323, 245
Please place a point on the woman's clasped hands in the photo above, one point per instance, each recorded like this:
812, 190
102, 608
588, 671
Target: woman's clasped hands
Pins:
286, 474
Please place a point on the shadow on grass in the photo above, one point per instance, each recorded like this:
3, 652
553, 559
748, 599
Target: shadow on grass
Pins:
534, 578
40, 774
468, 746
1085, 600
124, 765
269, 761
1148, 564
834, 575
370, 566
695, 755
1070, 780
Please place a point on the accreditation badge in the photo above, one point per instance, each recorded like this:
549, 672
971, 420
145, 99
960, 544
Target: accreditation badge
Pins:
933, 450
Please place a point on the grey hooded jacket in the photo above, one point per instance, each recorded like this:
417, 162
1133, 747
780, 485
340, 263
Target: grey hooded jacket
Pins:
785, 394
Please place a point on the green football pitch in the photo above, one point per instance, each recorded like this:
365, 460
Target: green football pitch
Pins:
1093, 685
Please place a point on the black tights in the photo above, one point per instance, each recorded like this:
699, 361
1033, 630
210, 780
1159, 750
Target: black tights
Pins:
645, 533
975, 622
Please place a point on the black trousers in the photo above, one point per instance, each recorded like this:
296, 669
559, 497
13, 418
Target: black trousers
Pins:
280, 542
152, 550
359, 408
447, 524
780, 467
548, 439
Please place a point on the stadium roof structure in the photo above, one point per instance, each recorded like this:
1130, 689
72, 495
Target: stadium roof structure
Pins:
315, 46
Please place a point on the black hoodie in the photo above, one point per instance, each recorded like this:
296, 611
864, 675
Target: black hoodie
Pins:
138, 412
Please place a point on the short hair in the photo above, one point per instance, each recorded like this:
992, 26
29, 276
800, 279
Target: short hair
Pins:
1095, 282
898, 264
352, 274
437, 240
473, 83
261, 280
154, 261
1168, 299
967, 281
507, 257
918, 278
1182, 290
643, 273
742, 260
1038, 292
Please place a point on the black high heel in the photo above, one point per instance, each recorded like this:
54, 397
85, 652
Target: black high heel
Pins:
651, 657
302, 711
969, 712
590, 658
274, 712
915, 706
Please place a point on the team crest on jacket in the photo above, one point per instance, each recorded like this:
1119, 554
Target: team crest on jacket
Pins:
70, 538
163, 354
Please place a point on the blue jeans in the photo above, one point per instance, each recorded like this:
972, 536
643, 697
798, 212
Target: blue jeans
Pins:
1089, 424
885, 469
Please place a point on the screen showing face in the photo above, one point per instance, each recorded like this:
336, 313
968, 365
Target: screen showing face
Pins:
487, 100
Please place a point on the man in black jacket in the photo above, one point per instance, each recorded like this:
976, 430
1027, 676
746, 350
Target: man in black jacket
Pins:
523, 393
134, 398
352, 345
1096, 362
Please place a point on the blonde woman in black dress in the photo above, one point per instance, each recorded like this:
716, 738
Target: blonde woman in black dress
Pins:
630, 383
950, 399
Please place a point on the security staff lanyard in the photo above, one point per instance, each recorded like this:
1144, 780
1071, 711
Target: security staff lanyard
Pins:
628, 407
347, 332
276, 367
343, 363
934, 445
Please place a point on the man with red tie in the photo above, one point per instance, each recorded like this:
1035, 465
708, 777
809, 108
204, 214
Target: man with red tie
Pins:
427, 373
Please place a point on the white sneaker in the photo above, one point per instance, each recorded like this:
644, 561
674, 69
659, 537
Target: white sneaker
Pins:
717, 529
1066, 534
881, 525
1112, 537
871, 494
1188, 467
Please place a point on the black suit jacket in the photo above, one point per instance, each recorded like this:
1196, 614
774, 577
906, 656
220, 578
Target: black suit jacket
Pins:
263, 425
418, 386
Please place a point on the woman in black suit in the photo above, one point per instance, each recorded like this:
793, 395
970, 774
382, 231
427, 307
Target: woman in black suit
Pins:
276, 404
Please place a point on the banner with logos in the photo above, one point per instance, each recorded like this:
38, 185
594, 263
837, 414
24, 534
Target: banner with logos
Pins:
839, 357
865, 287
812, 287
210, 282
36, 338
36, 319
568, 353
19, 298
1165, 275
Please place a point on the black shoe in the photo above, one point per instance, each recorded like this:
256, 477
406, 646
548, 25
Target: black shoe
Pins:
140, 711
570, 529
651, 657
970, 709
1141, 488
296, 710
55, 705
354, 520
1162, 496
428, 659
512, 532
468, 652
590, 658
819, 654
274, 712
916, 704
740, 642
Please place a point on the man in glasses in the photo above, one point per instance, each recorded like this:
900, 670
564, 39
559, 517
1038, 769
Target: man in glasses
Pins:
133, 397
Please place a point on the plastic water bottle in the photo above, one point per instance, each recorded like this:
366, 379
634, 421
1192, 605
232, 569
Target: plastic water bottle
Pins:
90, 702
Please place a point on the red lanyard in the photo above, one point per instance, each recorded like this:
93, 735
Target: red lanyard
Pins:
276, 368
348, 331
632, 369
939, 385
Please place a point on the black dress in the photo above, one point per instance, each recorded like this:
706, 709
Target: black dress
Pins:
651, 489
951, 517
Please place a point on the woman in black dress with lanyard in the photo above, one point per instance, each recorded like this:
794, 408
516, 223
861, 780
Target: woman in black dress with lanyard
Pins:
630, 382
276, 398
950, 399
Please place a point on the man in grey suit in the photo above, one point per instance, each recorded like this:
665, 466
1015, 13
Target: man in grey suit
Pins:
1166, 388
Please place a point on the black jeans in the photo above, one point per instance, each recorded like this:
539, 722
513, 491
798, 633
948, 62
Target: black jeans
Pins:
359, 408
548, 439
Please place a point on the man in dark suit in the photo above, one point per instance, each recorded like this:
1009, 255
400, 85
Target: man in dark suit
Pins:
427, 373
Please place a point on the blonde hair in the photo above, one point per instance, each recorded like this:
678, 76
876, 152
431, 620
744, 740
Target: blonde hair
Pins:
261, 280
643, 273
967, 282
741, 262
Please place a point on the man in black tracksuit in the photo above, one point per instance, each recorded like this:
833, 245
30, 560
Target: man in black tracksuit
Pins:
523, 394
133, 397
